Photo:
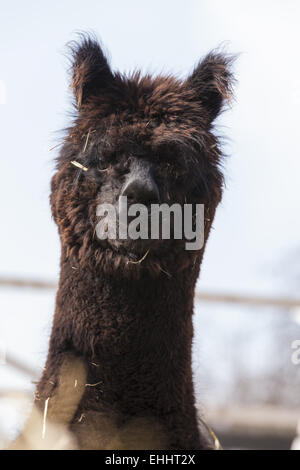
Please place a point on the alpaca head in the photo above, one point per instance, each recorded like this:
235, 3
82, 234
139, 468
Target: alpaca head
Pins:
149, 139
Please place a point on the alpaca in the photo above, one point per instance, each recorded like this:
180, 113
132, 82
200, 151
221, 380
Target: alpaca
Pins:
125, 317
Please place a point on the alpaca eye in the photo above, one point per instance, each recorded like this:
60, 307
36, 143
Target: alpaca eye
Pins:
175, 171
102, 168
166, 166
102, 164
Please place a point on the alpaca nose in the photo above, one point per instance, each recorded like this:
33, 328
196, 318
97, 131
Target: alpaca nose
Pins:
142, 189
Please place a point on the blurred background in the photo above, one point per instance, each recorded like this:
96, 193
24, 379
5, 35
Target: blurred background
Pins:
247, 313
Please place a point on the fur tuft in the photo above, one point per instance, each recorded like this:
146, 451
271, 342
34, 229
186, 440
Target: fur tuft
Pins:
213, 81
90, 69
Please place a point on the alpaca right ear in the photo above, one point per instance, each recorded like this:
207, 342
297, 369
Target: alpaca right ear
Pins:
90, 70
213, 82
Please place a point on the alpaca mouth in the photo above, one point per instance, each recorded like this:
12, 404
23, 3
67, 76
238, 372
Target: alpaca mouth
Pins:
134, 249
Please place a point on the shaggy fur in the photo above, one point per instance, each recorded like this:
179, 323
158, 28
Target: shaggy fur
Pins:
130, 322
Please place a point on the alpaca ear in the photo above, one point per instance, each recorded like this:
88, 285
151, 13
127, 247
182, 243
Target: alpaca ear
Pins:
90, 70
212, 81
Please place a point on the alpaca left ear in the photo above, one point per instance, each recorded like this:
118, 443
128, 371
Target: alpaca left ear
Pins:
212, 81
91, 72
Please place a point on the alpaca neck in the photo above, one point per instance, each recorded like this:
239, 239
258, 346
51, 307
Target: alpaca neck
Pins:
110, 310
142, 324
135, 338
